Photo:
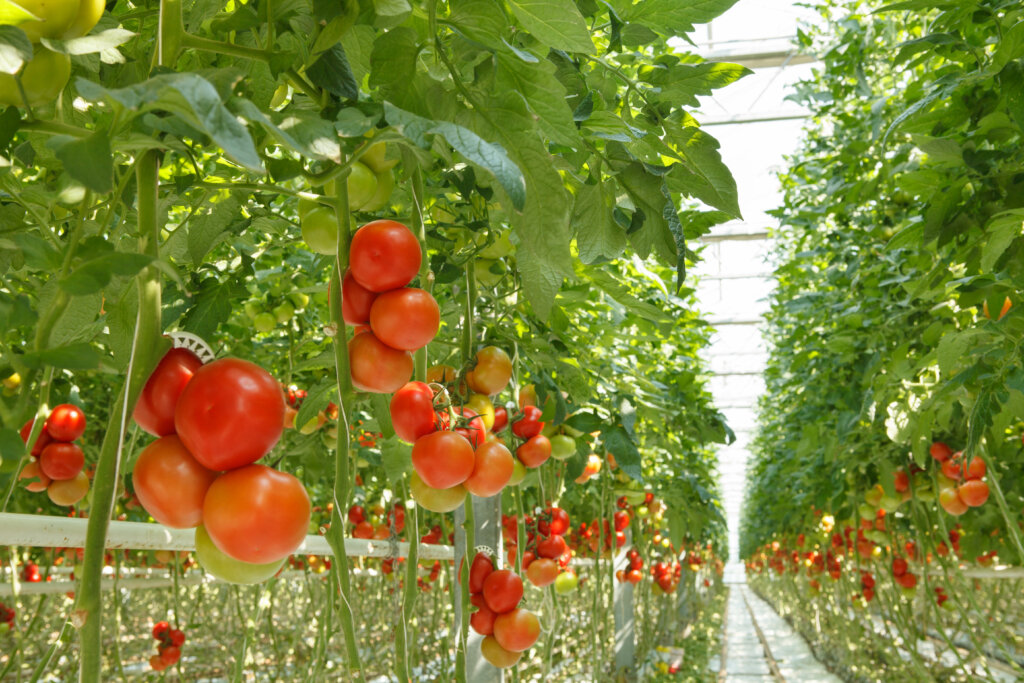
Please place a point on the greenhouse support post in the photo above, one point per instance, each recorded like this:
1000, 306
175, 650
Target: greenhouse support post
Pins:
487, 532
622, 608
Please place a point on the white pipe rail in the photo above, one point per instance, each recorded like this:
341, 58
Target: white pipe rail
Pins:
69, 532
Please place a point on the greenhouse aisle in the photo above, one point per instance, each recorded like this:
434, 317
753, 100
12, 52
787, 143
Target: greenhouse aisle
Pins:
745, 657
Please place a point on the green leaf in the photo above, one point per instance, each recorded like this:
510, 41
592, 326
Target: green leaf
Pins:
14, 14
381, 405
95, 274
88, 160
393, 63
212, 306
585, 422
121, 322
105, 43
191, 97
301, 131
209, 228
557, 23
482, 21
11, 445
670, 17
1001, 231
647, 191
488, 155
598, 237
358, 44
607, 283
332, 73
15, 49
80, 356
680, 84
618, 442
316, 400
395, 457
704, 176
394, 12
544, 95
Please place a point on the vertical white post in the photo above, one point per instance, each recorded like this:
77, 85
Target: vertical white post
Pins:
622, 607
486, 532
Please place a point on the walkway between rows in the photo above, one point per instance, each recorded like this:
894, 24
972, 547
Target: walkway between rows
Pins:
761, 646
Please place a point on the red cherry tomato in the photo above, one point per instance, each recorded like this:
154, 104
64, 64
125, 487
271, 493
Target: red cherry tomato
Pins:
61, 461
535, 452
154, 411
412, 411
542, 572
482, 620
256, 514
375, 366
443, 459
66, 422
356, 514
42, 441
552, 547
500, 419
407, 318
517, 631
492, 469
503, 589
529, 425
559, 521
479, 570
171, 484
230, 414
356, 301
475, 432
384, 255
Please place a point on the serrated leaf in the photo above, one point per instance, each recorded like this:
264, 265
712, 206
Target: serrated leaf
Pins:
680, 84
95, 274
102, 42
618, 443
88, 160
80, 356
670, 17
333, 73
557, 23
316, 400
704, 176
544, 95
395, 458
209, 228
212, 307
598, 237
585, 422
1001, 231
304, 132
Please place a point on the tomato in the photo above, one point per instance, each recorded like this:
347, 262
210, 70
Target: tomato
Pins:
517, 631
406, 318
37, 481
375, 366
43, 79
552, 547
562, 447
482, 620
376, 158
356, 301
363, 530
55, 18
89, 13
441, 374
412, 412
385, 185
356, 514
492, 372
559, 523
66, 422
384, 255
42, 441
974, 470
534, 452
542, 572
224, 567
503, 589
483, 407
973, 492
362, 186
60, 461
940, 451
952, 468
527, 396
436, 500
518, 473
907, 580
171, 484
901, 481
950, 501
320, 230
899, 566
443, 459
154, 412
230, 414
69, 491
529, 425
500, 418
496, 655
621, 518
257, 514
474, 431
479, 570
492, 469
566, 582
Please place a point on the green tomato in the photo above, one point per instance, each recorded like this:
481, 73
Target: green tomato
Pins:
890, 503
299, 299
55, 18
307, 205
385, 184
488, 272
518, 473
500, 248
253, 309
642, 511
866, 511
284, 312
43, 78
376, 158
89, 13
362, 186
320, 231
562, 447
436, 500
264, 322
635, 497
566, 582
224, 567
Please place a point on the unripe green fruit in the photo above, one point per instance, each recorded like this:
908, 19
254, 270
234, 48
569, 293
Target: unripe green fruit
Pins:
264, 322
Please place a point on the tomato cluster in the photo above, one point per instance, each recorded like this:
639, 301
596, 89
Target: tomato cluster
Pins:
58, 463
364, 528
30, 573
546, 554
633, 573
668, 575
961, 484
7, 615
214, 422
169, 642
508, 629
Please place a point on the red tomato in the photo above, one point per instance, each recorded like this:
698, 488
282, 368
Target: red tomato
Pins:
973, 492
975, 470
356, 301
551, 547
230, 414
517, 630
940, 451
61, 461
492, 470
171, 484
500, 419
907, 580
412, 411
634, 576
443, 459
375, 366
559, 521
542, 572
356, 514
482, 621
496, 655
363, 530
406, 318
503, 589
621, 518
170, 655
529, 425
154, 411
492, 372
256, 514
66, 422
42, 441
899, 566
384, 255
535, 452
475, 432
952, 468
479, 570
950, 501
